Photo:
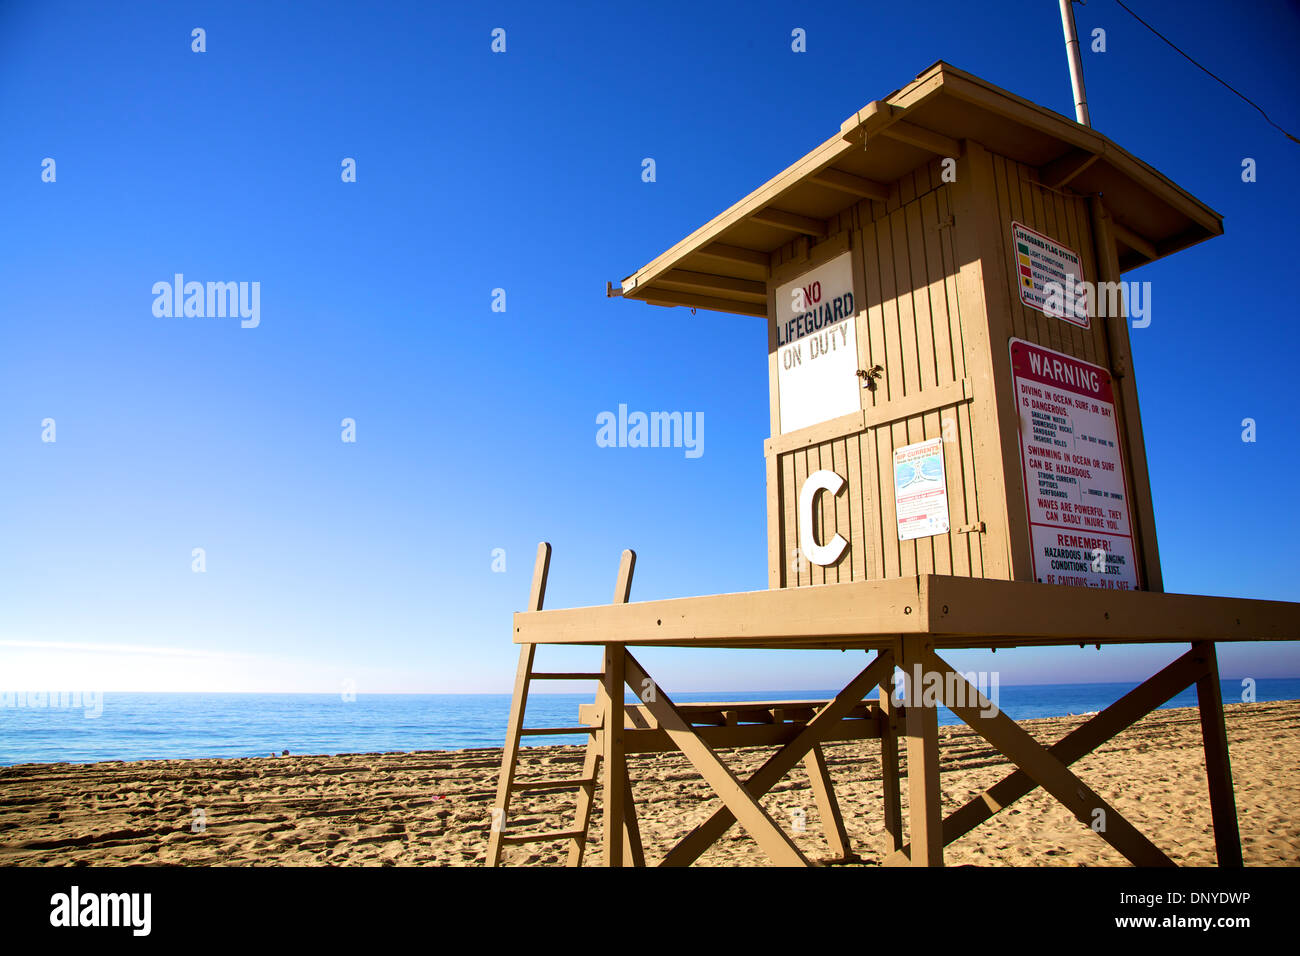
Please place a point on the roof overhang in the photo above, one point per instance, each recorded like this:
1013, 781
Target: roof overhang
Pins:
723, 266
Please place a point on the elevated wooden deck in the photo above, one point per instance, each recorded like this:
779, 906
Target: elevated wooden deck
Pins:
947, 612
906, 622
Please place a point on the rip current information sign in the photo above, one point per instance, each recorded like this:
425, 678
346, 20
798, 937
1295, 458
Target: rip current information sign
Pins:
920, 490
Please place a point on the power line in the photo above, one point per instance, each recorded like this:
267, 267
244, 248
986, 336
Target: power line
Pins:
1208, 72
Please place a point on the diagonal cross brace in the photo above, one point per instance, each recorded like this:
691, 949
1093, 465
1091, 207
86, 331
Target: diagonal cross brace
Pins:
765, 831
689, 849
1080, 742
1041, 765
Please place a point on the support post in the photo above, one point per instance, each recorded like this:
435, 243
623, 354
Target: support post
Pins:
614, 772
926, 808
1218, 769
889, 725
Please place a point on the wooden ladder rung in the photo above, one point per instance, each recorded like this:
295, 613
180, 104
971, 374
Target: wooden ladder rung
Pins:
551, 783
548, 731
543, 837
554, 675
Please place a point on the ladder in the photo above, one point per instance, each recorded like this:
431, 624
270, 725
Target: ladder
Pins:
630, 847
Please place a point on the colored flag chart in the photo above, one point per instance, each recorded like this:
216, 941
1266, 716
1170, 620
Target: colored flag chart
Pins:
1042, 264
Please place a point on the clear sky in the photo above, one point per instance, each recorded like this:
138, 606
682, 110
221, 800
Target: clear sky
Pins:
372, 561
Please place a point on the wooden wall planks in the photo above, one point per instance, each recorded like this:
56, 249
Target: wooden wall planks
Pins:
915, 313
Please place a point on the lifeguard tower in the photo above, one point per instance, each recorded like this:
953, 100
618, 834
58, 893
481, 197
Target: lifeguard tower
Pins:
956, 460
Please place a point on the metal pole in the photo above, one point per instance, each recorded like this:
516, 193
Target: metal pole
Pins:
1076, 64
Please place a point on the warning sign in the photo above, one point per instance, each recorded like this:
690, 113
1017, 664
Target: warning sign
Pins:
1080, 522
1041, 262
920, 490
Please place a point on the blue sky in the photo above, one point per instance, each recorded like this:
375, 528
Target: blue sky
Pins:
372, 561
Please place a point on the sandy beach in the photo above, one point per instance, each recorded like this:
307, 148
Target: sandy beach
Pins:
433, 808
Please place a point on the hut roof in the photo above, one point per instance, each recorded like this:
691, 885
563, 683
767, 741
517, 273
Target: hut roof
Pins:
723, 265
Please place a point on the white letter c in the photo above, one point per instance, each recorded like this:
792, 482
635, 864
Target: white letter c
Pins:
819, 554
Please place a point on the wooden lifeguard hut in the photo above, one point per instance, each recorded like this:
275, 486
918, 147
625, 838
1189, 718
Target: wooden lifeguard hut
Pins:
903, 270
956, 460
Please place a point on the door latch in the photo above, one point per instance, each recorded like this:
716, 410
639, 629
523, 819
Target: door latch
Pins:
870, 375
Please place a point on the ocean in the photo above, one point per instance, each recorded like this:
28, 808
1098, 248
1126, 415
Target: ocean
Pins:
122, 726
